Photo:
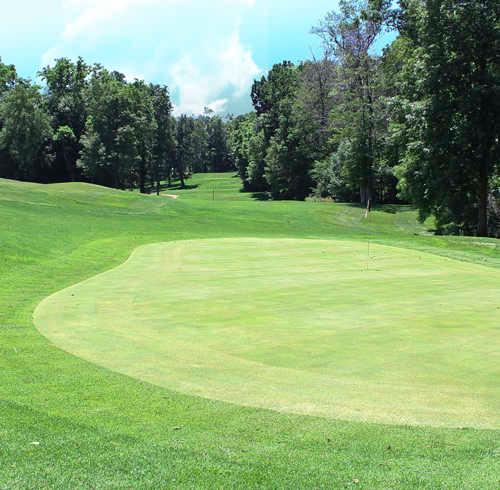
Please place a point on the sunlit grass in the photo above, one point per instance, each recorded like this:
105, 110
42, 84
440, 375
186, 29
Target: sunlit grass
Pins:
100, 429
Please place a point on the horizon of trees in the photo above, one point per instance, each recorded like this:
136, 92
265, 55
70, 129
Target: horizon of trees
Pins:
418, 123
88, 123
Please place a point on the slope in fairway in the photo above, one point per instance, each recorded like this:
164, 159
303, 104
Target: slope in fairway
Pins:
306, 326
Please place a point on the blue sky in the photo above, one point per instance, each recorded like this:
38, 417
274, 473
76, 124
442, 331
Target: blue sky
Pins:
207, 51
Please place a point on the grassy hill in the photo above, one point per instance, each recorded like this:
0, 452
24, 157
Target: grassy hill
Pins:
66, 423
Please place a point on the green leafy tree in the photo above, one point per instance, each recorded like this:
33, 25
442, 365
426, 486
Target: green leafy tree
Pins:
66, 84
330, 176
118, 142
268, 93
66, 146
144, 127
217, 145
201, 157
273, 97
164, 139
257, 146
309, 134
349, 35
185, 148
25, 135
452, 162
402, 104
240, 131
108, 151
8, 78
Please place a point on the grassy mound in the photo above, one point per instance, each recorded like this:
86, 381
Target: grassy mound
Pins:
100, 429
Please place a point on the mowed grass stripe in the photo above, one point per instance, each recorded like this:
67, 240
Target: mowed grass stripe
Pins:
315, 327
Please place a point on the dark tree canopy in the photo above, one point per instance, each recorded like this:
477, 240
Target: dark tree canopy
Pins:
419, 123
458, 45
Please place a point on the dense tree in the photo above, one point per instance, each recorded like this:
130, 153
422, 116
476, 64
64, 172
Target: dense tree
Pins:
164, 139
200, 142
120, 131
257, 147
66, 145
400, 83
144, 128
241, 130
25, 134
185, 148
270, 91
273, 97
105, 130
217, 144
349, 35
453, 160
8, 77
208, 139
331, 175
65, 88
316, 99
311, 132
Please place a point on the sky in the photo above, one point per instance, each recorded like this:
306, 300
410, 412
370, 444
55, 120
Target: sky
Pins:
208, 52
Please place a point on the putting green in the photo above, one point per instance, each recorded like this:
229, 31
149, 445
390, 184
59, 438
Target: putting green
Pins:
306, 326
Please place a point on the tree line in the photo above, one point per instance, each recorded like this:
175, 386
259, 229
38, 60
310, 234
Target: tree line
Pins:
88, 123
418, 123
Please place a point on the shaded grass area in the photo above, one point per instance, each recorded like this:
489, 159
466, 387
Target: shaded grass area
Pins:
98, 429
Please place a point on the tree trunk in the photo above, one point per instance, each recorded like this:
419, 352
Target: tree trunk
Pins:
366, 192
362, 194
142, 181
482, 228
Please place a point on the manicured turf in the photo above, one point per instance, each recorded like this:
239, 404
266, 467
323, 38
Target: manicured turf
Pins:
99, 429
315, 327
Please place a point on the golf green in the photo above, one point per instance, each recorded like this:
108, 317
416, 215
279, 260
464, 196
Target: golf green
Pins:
331, 328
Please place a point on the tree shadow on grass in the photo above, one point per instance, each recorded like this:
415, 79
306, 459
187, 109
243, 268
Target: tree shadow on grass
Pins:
176, 186
257, 196
261, 196
384, 208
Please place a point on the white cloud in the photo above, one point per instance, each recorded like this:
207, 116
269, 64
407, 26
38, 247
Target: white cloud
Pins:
96, 14
50, 55
205, 66
93, 15
229, 69
131, 74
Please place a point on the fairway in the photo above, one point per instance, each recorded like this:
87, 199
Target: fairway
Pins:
333, 328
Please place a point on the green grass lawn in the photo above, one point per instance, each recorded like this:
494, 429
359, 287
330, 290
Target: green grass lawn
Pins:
96, 428
316, 327
212, 187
